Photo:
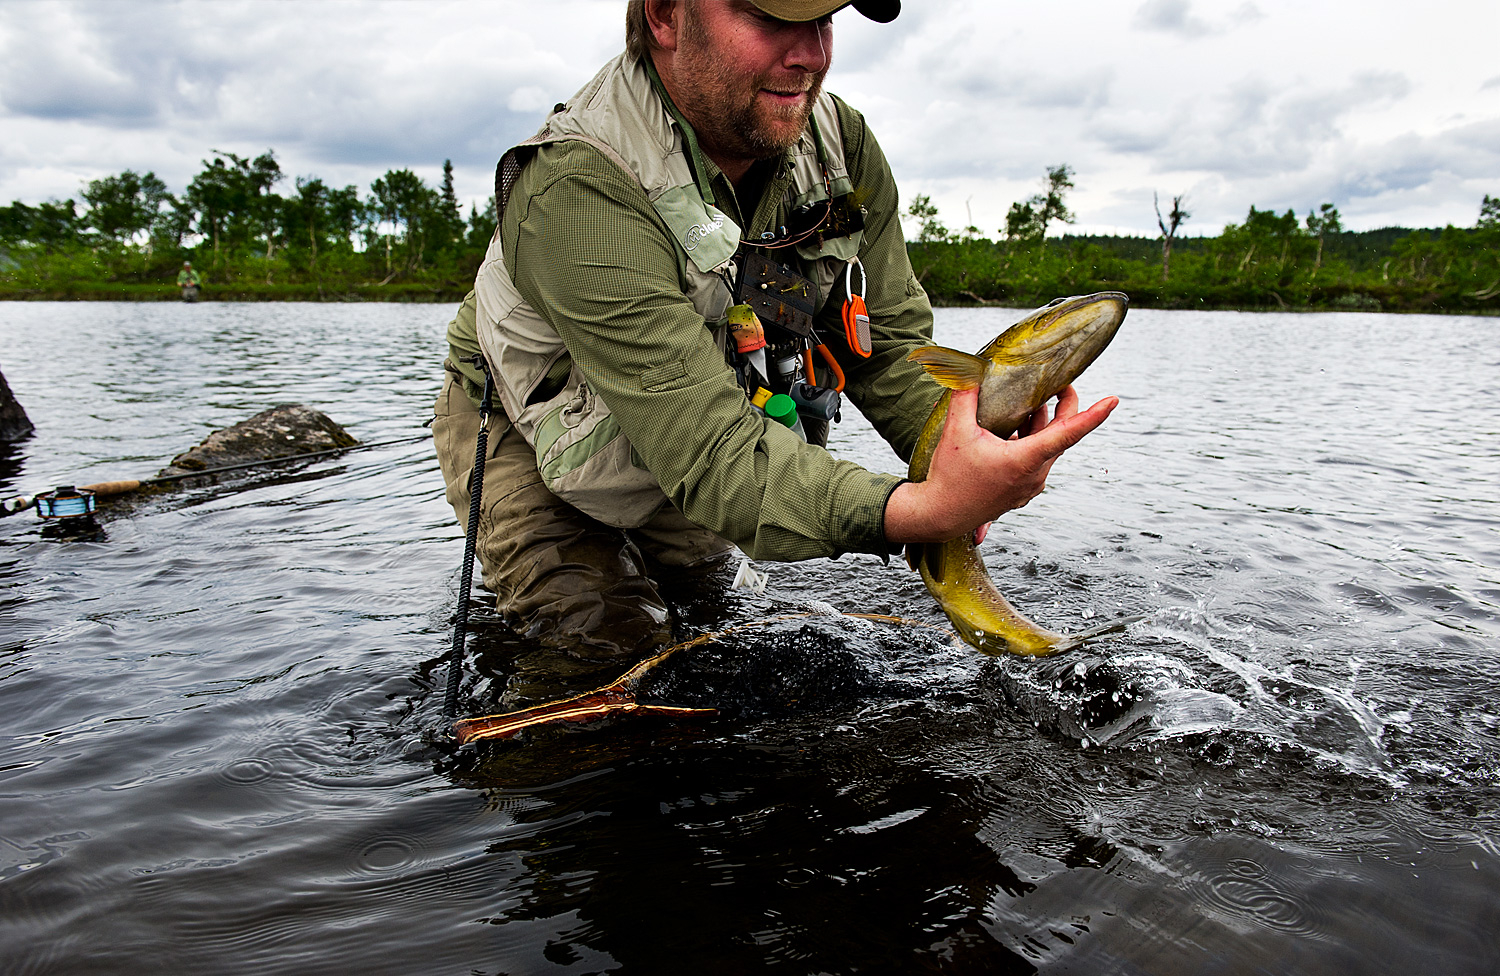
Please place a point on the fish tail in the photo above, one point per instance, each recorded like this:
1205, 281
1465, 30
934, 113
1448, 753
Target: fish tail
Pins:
983, 618
1069, 641
997, 638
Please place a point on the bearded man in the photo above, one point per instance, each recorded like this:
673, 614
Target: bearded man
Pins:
701, 170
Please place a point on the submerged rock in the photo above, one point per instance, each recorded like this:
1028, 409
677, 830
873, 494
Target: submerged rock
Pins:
14, 424
282, 431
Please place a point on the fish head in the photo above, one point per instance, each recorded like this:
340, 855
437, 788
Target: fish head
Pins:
1039, 356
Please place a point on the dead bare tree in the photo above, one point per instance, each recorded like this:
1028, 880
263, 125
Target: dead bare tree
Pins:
1169, 227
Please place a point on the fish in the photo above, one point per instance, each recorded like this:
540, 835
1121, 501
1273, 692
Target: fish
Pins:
1016, 373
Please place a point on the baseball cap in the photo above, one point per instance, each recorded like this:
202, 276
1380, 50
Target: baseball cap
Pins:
880, 11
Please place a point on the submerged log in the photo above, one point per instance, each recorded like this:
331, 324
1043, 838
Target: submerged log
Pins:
14, 424
282, 431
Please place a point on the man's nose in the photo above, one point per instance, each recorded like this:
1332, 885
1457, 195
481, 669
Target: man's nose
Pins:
811, 47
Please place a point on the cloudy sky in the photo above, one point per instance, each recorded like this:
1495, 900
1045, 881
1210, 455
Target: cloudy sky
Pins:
1389, 110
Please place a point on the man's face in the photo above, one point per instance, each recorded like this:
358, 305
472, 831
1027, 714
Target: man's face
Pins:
747, 81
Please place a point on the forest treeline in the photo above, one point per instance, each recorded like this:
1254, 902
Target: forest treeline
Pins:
1267, 261
127, 236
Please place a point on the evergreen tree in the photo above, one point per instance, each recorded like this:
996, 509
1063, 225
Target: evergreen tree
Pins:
482, 224
449, 223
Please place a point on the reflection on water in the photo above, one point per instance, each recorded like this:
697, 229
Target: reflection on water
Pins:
211, 717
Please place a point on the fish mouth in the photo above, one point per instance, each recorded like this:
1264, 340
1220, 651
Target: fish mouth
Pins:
1067, 317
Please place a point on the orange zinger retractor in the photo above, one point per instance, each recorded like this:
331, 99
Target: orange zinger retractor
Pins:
856, 316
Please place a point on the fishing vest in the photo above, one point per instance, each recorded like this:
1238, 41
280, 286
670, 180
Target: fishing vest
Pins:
582, 455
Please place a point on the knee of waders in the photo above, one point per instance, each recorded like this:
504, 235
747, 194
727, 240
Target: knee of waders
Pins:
627, 618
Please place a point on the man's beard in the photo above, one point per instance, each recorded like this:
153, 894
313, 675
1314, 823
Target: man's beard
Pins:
736, 122
766, 132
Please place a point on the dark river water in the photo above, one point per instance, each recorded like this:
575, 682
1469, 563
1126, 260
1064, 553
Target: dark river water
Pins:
212, 751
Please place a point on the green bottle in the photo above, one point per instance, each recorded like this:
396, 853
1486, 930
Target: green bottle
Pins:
783, 409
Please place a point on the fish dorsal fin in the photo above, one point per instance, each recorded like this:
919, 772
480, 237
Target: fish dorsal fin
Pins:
1007, 349
951, 368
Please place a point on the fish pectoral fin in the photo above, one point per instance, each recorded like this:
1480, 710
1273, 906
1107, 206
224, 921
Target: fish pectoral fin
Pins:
951, 368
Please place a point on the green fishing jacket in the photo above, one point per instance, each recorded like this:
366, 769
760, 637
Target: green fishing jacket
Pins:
598, 303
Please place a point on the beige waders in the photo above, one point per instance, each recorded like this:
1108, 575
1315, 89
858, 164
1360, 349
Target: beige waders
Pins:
559, 576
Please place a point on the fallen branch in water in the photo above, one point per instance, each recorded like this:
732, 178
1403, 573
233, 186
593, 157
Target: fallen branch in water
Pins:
619, 696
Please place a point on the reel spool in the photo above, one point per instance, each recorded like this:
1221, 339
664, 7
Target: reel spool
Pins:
65, 503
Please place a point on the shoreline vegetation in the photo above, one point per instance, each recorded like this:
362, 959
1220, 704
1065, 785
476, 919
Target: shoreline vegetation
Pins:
405, 241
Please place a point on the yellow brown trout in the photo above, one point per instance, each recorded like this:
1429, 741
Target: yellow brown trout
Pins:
1019, 371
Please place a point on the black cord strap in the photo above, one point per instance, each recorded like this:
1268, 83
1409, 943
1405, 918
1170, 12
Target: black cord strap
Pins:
466, 571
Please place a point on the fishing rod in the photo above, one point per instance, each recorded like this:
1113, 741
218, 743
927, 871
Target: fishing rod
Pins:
68, 501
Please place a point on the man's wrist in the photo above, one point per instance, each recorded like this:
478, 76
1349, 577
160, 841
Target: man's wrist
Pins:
909, 518
892, 548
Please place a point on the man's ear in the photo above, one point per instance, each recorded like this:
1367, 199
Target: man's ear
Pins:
664, 20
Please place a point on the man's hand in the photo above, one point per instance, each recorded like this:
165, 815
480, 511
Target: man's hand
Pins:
975, 477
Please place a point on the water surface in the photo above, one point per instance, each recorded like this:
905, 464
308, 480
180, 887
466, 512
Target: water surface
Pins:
211, 718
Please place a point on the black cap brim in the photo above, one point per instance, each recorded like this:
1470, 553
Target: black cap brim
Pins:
801, 11
880, 11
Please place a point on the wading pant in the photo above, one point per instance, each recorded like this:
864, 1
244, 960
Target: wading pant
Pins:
559, 576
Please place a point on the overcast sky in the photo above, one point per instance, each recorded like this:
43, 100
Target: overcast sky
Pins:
1390, 110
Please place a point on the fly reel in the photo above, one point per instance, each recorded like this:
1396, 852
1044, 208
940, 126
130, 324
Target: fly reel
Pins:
65, 503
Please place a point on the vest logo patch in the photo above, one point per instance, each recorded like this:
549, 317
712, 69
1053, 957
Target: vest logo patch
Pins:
697, 232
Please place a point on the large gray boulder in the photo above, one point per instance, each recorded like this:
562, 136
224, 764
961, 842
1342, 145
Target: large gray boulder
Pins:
14, 424
283, 431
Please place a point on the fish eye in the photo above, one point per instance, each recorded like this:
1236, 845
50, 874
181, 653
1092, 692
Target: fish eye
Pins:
1054, 302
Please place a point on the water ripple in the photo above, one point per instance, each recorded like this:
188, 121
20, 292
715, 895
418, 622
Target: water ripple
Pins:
1248, 890
212, 716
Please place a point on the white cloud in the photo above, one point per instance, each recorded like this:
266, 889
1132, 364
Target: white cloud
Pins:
1253, 127
334, 88
1171, 16
531, 99
1177, 17
1277, 103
